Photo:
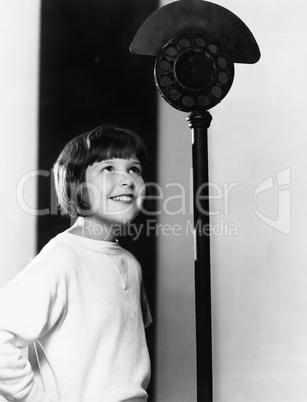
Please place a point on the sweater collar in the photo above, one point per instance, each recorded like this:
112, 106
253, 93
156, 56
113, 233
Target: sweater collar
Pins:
104, 247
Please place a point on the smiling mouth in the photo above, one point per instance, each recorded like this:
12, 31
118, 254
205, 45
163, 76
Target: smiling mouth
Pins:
125, 198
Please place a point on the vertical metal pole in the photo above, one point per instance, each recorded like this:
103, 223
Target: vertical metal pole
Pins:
199, 122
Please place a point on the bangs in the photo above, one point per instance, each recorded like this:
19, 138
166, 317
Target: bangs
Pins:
113, 143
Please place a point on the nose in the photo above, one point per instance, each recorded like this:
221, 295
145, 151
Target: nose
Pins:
126, 180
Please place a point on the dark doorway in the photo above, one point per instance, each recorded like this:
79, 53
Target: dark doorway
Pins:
88, 76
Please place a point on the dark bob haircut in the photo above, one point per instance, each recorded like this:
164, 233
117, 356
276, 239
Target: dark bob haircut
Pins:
104, 142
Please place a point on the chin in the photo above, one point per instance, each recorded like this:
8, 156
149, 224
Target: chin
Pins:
122, 219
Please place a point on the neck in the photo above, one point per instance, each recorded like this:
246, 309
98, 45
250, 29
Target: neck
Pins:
85, 227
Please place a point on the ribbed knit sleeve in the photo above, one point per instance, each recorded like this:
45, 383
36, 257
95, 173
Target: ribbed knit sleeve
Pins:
29, 307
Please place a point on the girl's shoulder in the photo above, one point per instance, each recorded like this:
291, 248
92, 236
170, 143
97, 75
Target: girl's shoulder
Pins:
50, 268
57, 250
55, 258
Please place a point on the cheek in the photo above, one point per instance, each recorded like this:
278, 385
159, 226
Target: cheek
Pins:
141, 188
141, 193
101, 187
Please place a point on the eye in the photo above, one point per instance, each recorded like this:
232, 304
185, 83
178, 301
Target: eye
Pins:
108, 169
135, 169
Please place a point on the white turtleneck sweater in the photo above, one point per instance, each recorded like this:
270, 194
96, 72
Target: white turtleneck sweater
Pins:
78, 308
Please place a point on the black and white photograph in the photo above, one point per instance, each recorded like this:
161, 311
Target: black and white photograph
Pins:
153, 192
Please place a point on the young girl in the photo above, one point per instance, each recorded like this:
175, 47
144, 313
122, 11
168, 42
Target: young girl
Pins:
78, 305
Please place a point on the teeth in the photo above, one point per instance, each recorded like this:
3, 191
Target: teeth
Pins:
123, 198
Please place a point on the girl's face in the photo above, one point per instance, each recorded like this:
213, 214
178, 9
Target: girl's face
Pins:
115, 190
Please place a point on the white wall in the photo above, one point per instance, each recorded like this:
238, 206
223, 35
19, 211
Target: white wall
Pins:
259, 276
19, 44
19, 39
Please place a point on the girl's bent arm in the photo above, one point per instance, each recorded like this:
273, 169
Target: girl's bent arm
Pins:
29, 306
16, 377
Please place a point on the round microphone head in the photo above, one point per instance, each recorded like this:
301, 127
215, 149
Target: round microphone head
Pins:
193, 71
